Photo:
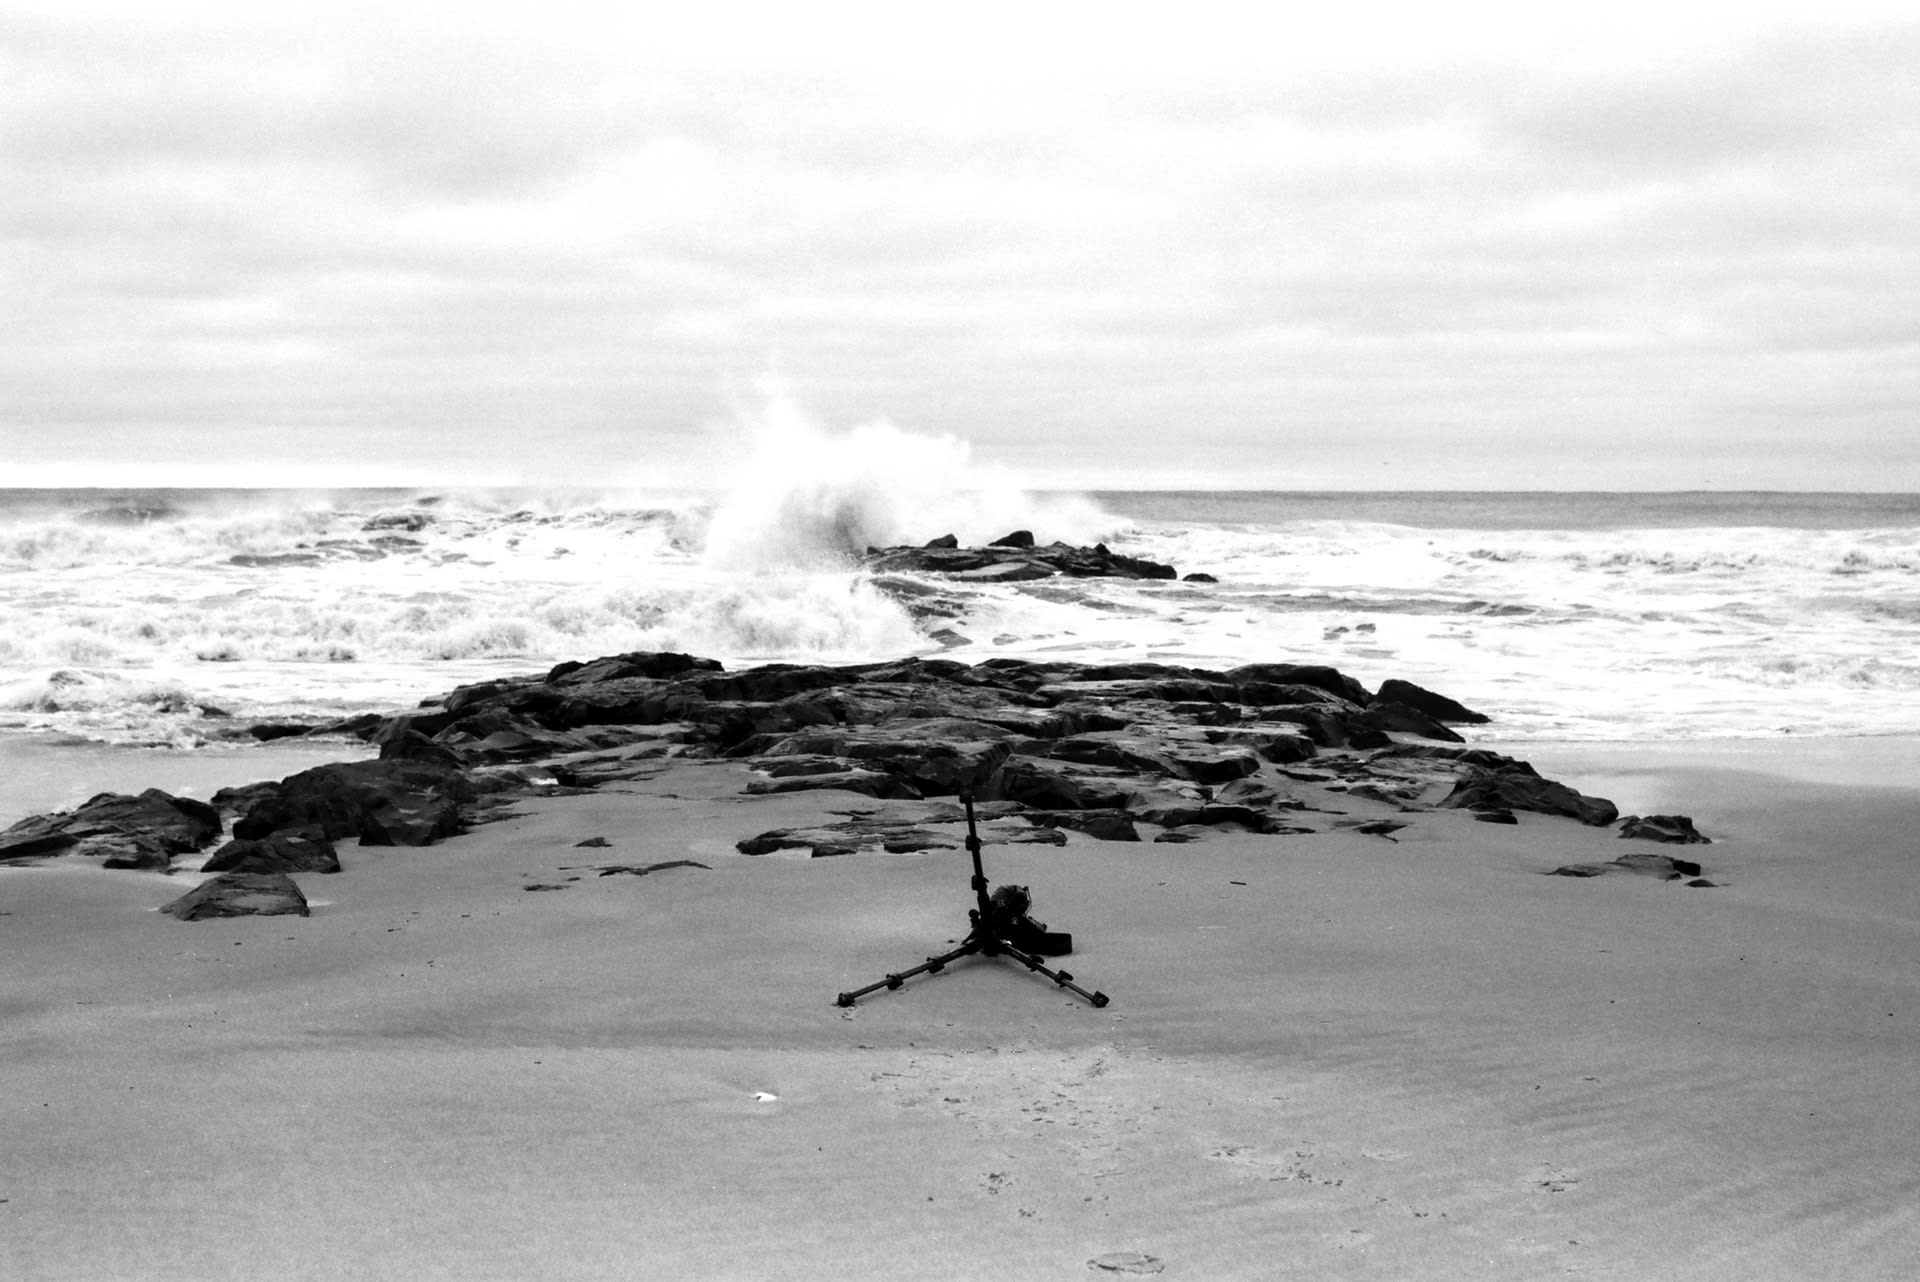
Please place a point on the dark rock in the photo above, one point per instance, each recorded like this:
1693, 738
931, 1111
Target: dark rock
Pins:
934, 756
1212, 766
268, 731
1317, 675
641, 870
1104, 825
1122, 750
411, 745
288, 850
1285, 749
652, 664
1207, 714
1677, 829
1198, 576
944, 541
243, 798
1496, 816
240, 894
1258, 793
1013, 562
1437, 706
1182, 834
32, 839
1513, 789
895, 834
1365, 737
1017, 539
1385, 714
145, 831
1644, 864
1663, 866
1391, 793
355, 727
1054, 785
1022, 571
394, 802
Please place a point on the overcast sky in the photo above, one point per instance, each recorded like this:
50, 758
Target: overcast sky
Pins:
1661, 247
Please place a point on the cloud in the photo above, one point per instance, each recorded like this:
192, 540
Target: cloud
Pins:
411, 233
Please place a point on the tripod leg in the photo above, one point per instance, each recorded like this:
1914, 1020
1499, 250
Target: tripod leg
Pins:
1060, 977
931, 966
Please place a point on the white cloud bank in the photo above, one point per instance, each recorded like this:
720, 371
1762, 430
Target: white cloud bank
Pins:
1666, 248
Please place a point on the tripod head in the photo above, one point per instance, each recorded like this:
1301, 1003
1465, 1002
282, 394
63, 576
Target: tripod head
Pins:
1000, 918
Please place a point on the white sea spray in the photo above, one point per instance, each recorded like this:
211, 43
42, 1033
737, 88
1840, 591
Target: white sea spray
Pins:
806, 495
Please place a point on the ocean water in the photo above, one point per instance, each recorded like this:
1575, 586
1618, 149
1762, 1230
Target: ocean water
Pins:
151, 624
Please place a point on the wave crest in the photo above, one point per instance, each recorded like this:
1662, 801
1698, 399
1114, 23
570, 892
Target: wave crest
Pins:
807, 496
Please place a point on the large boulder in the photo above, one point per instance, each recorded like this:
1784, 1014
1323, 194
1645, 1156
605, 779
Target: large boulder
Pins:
1519, 788
1437, 706
289, 850
144, 831
240, 894
393, 802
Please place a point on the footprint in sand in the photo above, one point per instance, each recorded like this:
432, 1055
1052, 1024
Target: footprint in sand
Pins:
1305, 1165
1555, 1180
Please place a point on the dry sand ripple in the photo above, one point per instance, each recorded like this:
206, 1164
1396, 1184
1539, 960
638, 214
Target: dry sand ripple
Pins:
1327, 1056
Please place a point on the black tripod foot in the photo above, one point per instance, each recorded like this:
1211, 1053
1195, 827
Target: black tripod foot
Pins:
988, 947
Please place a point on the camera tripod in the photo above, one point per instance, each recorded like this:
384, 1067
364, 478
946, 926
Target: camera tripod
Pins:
1001, 928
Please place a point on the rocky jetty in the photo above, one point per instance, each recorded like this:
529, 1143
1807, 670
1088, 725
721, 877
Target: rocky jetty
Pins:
1045, 747
1013, 558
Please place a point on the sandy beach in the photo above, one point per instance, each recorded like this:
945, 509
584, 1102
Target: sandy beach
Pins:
1326, 1056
